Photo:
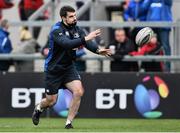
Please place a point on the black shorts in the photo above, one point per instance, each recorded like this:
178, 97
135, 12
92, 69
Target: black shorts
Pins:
56, 80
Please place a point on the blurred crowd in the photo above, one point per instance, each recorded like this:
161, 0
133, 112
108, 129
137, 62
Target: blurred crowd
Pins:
27, 43
123, 43
143, 10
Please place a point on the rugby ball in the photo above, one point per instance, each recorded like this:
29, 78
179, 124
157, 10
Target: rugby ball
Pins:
144, 36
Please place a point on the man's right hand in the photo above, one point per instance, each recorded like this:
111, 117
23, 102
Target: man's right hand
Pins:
93, 35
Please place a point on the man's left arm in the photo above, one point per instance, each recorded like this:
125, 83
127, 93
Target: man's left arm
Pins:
90, 45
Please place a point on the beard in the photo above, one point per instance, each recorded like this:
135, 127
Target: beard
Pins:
73, 24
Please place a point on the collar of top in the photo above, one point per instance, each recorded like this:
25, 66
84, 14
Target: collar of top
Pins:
67, 26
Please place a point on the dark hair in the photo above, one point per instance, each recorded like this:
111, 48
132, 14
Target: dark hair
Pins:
65, 9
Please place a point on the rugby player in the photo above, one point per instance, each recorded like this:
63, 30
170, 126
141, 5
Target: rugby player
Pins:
64, 39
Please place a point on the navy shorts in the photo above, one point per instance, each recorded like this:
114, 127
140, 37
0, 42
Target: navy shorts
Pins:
57, 80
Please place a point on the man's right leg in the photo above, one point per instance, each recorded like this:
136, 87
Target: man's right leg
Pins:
45, 103
49, 101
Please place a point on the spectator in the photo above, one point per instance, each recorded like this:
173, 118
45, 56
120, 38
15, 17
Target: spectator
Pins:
123, 8
160, 10
151, 48
27, 8
5, 44
27, 46
120, 47
136, 11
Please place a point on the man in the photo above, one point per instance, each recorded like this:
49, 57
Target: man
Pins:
5, 44
160, 10
120, 47
136, 11
65, 38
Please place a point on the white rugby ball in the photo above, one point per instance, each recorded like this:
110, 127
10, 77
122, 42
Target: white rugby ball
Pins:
144, 36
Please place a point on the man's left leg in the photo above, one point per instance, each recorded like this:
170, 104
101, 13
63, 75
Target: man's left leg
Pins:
45, 103
77, 89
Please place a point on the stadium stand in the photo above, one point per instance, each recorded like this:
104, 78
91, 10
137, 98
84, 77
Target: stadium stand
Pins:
96, 21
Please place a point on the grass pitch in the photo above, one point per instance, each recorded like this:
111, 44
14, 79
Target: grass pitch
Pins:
90, 125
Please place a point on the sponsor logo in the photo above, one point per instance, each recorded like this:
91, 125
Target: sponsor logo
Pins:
62, 105
105, 98
147, 97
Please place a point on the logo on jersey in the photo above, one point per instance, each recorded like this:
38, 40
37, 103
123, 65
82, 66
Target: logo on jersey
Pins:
60, 34
67, 33
76, 35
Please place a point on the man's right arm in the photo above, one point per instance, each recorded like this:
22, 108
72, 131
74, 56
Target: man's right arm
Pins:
65, 42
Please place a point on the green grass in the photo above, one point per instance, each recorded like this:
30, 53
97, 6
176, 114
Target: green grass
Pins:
90, 125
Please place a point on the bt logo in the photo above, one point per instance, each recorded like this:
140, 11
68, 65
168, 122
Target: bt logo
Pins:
22, 98
62, 105
147, 100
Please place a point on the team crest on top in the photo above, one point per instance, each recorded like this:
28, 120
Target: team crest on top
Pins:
60, 34
76, 35
67, 33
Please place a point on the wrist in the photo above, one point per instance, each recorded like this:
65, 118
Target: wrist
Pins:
86, 38
98, 51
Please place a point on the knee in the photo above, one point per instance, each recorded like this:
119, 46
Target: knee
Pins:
78, 92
